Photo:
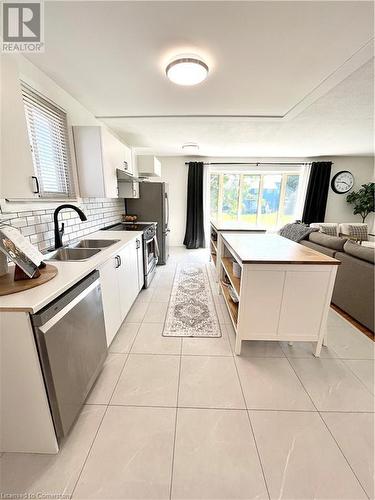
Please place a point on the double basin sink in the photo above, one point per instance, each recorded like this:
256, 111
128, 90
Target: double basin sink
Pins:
82, 250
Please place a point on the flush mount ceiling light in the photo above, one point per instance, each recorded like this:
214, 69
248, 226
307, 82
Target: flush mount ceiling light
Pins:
190, 147
187, 71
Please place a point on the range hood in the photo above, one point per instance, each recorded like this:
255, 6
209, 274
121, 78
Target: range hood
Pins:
123, 176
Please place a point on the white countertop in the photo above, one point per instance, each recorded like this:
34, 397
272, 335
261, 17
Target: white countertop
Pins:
69, 273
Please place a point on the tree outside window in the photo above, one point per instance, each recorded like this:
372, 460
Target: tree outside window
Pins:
231, 190
267, 199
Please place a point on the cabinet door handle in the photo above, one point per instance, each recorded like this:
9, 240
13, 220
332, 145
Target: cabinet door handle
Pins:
37, 190
117, 261
120, 262
138, 244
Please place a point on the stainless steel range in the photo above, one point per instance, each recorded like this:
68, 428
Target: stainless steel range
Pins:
150, 245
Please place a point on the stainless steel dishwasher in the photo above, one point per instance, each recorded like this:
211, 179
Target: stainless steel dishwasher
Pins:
71, 340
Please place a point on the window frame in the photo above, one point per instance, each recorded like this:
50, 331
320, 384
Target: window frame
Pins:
67, 171
301, 171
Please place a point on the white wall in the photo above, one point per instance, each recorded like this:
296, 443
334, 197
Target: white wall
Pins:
174, 171
338, 210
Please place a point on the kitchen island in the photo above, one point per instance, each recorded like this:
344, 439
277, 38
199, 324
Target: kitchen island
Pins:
283, 291
218, 226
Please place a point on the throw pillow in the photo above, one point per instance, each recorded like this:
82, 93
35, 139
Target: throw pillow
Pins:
330, 230
358, 232
296, 232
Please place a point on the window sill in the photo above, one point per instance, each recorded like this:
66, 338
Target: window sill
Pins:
29, 205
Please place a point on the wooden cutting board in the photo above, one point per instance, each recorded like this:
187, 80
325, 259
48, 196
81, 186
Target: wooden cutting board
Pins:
8, 285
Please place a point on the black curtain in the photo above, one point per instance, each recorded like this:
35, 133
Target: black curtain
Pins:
194, 234
317, 192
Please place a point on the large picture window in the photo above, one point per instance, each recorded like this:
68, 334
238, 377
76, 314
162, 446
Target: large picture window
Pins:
269, 199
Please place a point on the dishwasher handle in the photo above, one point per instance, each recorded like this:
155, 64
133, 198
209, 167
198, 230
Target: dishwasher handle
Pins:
63, 312
60, 306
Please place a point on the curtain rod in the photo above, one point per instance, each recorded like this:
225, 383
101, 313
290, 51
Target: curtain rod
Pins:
254, 163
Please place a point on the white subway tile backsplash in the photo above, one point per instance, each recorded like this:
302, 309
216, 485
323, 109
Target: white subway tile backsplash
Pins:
19, 223
36, 238
35, 219
41, 228
26, 231
37, 225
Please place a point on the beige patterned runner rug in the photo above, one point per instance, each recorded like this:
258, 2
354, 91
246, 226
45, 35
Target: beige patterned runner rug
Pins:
191, 311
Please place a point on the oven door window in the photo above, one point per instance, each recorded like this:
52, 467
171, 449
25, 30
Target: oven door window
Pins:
151, 252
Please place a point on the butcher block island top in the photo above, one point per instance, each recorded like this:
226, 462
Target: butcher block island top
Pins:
273, 249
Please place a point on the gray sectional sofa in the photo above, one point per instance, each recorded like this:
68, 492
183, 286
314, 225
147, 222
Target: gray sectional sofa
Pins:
354, 287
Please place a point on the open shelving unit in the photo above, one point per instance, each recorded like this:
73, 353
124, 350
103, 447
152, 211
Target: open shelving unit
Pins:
227, 277
217, 228
213, 246
227, 264
232, 306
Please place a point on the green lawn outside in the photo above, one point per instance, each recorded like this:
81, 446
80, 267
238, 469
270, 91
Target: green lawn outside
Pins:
268, 220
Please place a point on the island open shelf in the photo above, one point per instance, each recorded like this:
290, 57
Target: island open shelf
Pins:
232, 306
218, 226
284, 291
227, 264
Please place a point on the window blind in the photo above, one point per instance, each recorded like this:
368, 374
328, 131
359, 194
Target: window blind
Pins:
48, 135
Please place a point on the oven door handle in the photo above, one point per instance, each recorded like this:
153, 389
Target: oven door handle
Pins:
157, 253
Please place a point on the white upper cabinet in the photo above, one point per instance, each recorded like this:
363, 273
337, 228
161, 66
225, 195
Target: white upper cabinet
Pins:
17, 169
98, 155
148, 166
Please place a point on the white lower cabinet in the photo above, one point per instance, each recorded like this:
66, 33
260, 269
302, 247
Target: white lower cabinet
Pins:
119, 281
128, 277
111, 297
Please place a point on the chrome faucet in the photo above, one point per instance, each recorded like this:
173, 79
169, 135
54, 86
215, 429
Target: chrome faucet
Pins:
59, 232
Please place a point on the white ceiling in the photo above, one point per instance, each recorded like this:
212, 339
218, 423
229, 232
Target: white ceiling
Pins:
339, 123
281, 59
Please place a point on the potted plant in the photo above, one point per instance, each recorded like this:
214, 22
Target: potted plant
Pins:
363, 200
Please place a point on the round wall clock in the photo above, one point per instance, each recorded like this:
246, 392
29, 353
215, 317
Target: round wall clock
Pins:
342, 182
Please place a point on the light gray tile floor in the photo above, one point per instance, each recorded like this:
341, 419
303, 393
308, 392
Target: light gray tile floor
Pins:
186, 419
